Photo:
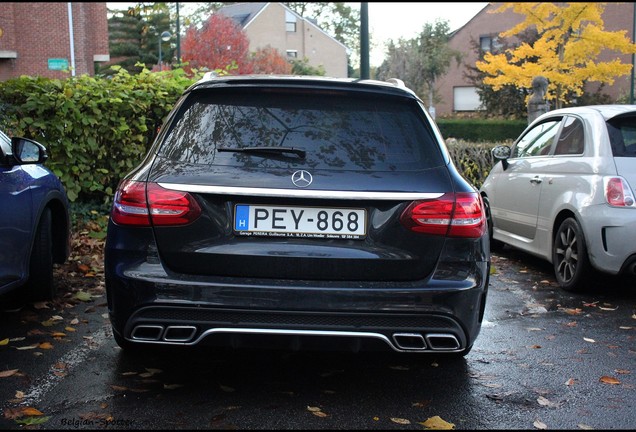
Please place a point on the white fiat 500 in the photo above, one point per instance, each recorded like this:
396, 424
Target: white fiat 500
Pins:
564, 191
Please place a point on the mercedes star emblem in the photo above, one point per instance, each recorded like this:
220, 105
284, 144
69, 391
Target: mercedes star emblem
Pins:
301, 178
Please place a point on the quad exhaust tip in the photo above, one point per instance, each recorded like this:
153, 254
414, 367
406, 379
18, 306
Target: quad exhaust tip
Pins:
400, 341
155, 333
431, 341
147, 333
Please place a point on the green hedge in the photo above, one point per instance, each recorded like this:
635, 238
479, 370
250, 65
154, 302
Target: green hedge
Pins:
481, 130
473, 160
96, 129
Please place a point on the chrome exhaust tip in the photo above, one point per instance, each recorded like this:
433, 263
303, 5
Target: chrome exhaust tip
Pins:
179, 333
409, 341
147, 333
442, 342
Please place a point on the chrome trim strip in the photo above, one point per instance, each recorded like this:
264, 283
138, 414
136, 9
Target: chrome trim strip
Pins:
305, 193
295, 333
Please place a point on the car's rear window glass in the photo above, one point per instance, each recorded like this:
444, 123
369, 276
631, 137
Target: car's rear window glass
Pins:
337, 131
622, 133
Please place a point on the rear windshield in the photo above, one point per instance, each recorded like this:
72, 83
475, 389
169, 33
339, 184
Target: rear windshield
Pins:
336, 130
622, 132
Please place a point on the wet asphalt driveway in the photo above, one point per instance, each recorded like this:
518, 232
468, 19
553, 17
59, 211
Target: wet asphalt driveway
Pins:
545, 359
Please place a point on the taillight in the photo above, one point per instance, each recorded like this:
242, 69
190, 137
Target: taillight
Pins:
454, 215
618, 193
136, 202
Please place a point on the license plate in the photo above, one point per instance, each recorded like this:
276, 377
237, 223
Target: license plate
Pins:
312, 222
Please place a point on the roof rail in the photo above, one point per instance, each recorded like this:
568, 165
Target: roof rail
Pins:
396, 82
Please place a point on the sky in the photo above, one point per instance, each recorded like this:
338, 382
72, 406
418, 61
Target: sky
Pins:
398, 20
406, 20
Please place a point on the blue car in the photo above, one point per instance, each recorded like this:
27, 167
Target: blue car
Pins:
34, 221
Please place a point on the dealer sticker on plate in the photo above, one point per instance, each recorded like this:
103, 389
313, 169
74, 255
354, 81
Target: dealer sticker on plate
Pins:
284, 221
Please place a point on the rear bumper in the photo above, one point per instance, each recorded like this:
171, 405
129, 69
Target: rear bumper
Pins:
611, 238
148, 306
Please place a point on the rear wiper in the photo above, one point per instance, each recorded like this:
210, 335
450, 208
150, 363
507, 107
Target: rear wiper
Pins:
276, 150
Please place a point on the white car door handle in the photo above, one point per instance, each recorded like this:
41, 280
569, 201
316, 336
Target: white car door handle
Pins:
536, 180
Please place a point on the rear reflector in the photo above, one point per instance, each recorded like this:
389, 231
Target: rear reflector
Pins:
453, 215
137, 202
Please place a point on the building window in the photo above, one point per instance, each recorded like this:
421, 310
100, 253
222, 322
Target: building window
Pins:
489, 44
292, 53
290, 22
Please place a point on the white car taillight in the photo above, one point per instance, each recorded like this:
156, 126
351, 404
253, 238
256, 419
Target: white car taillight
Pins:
618, 193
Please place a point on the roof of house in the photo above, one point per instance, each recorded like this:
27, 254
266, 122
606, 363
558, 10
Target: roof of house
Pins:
245, 13
242, 13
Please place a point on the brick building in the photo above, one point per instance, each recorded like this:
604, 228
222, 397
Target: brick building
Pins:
35, 38
457, 93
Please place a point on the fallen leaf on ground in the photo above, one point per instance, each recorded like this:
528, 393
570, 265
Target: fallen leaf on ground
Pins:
400, 420
8, 373
45, 345
83, 296
29, 421
570, 382
4, 342
539, 424
546, 402
29, 411
437, 423
12, 413
589, 340
28, 347
571, 311
622, 371
609, 380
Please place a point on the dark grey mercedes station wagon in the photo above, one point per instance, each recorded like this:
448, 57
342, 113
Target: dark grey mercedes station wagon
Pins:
298, 213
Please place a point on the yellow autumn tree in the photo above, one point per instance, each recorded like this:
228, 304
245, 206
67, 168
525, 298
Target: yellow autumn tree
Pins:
570, 38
